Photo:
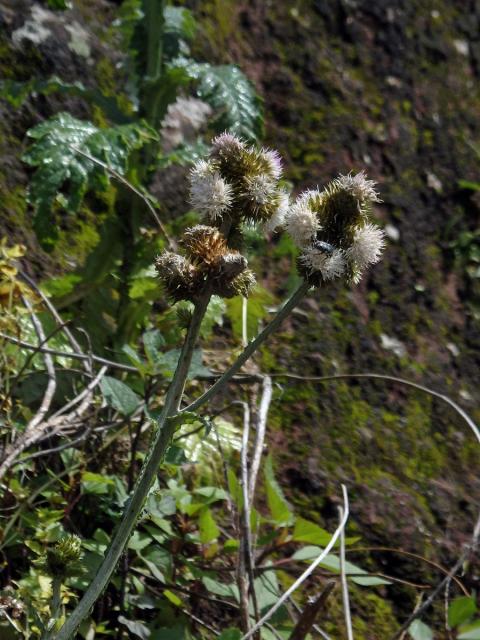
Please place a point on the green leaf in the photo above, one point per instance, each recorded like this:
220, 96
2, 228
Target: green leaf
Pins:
232, 96
230, 634
306, 531
96, 483
277, 504
461, 610
62, 170
221, 589
332, 563
139, 629
168, 363
152, 342
470, 631
208, 527
467, 184
16, 93
420, 631
139, 541
180, 26
175, 455
119, 396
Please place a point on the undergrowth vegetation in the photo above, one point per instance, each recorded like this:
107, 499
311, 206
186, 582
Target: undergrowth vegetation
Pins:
138, 498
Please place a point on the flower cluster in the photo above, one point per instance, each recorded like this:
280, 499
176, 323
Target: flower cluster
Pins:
209, 263
332, 229
236, 185
237, 182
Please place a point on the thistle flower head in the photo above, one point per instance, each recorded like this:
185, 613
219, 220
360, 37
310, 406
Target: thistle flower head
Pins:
178, 275
62, 560
251, 173
241, 285
209, 264
358, 185
332, 229
227, 144
273, 163
210, 194
259, 188
205, 243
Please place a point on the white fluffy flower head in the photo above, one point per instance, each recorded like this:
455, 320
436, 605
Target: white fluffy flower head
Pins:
210, 194
259, 188
367, 246
301, 221
279, 217
227, 143
273, 162
358, 185
330, 264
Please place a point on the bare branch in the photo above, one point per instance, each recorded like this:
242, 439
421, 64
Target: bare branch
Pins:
74, 356
131, 188
343, 576
468, 550
307, 620
259, 436
379, 376
307, 572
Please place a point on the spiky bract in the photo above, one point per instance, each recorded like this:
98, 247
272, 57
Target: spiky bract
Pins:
209, 263
63, 559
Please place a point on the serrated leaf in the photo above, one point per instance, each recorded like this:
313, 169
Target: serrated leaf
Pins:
229, 92
418, 630
61, 169
277, 503
119, 395
16, 93
461, 610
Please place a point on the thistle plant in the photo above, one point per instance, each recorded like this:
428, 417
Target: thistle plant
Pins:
235, 186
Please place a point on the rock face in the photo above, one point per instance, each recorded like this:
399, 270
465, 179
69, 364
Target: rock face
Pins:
390, 87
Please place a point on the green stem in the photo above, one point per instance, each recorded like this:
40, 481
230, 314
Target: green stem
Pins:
165, 430
162, 440
251, 347
55, 605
